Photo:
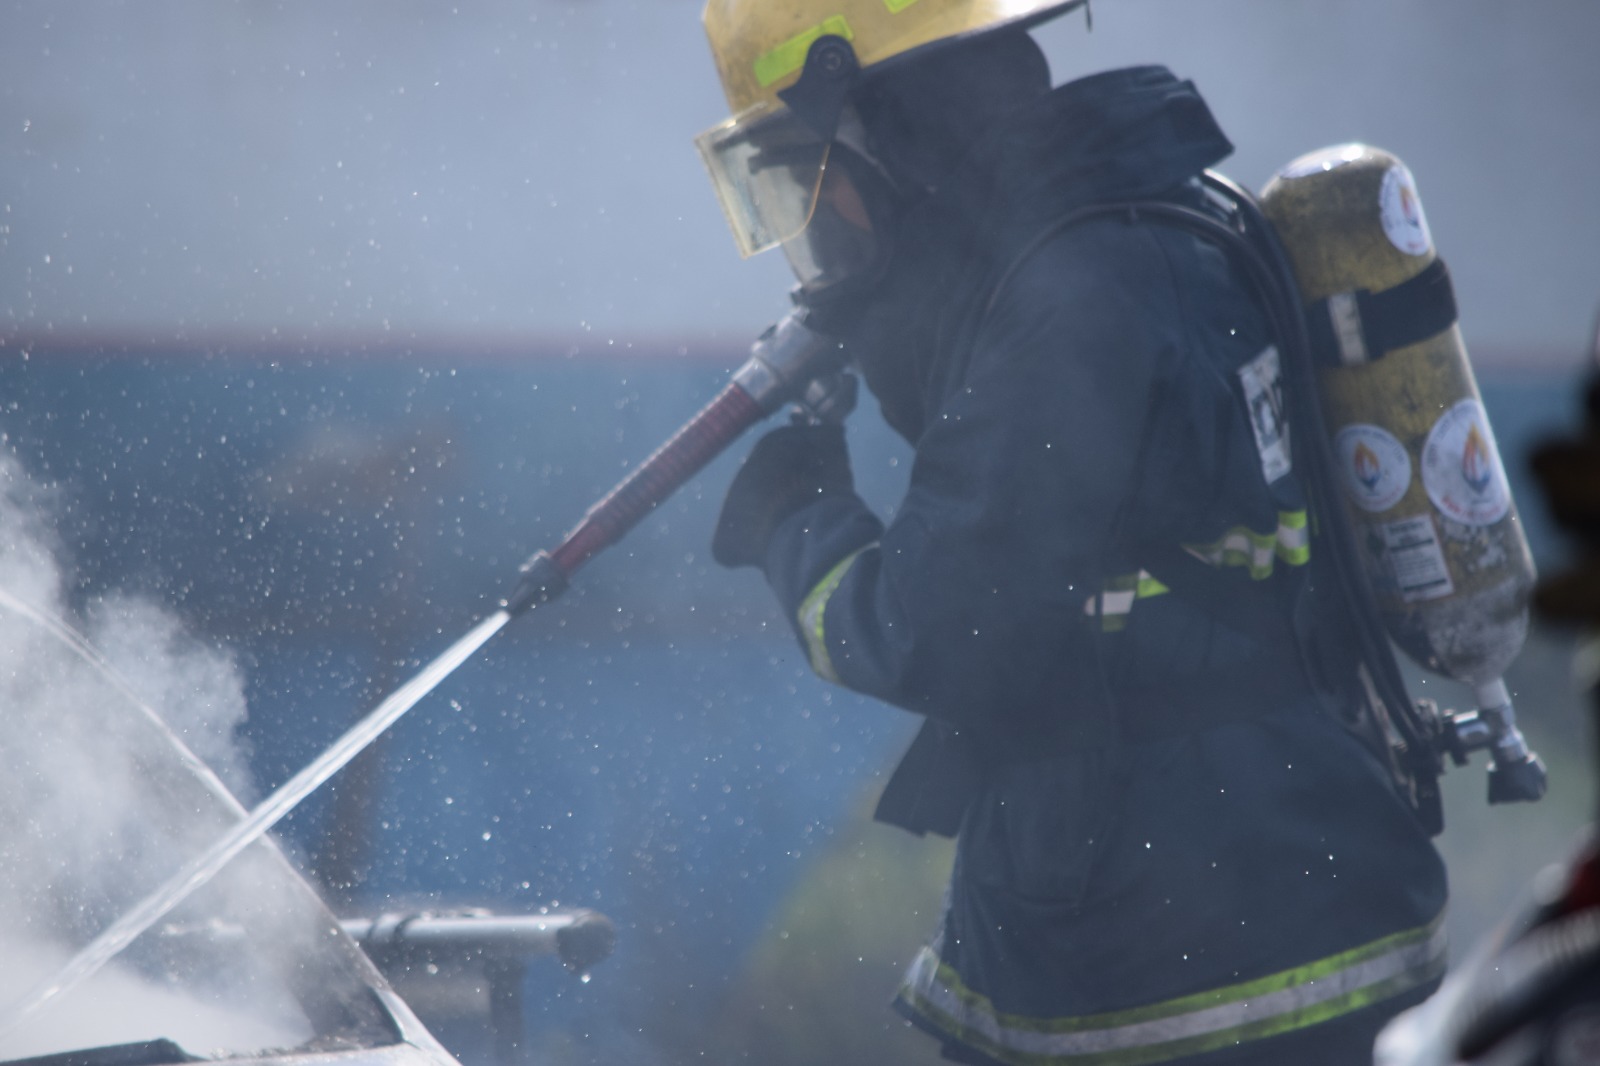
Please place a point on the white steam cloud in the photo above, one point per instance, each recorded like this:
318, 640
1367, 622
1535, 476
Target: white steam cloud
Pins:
98, 807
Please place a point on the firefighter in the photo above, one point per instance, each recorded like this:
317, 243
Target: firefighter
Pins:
1103, 589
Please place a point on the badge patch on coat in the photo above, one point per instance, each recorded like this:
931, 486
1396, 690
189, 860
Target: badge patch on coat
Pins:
1262, 381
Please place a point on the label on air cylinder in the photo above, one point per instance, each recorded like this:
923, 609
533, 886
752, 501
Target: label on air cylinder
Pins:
1417, 559
1400, 208
1461, 467
1374, 465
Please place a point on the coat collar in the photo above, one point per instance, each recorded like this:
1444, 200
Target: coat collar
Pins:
1133, 133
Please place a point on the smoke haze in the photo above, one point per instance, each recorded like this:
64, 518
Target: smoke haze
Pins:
97, 807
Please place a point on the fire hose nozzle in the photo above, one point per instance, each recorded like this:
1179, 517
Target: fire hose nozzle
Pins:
789, 362
542, 580
786, 359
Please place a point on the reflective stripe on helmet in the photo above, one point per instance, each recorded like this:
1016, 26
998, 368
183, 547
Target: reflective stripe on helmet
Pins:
1268, 1006
810, 615
1240, 546
775, 35
790, 56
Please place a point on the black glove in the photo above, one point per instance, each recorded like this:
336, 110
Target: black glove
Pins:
788, 468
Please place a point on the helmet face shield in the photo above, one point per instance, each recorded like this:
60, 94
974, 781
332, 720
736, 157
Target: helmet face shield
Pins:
780, 184
848, 237
767, 168
766, 164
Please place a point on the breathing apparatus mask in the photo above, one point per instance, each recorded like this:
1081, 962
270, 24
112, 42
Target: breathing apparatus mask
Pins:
799, 175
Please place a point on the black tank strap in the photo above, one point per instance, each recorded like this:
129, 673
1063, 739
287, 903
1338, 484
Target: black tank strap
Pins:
1360, 326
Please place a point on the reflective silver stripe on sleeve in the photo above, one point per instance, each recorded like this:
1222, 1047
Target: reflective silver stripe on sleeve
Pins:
1113, 605
811, 612
1279, 1003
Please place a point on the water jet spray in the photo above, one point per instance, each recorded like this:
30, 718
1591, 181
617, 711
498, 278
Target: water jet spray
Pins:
790, 363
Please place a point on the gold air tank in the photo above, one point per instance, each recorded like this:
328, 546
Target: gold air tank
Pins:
1423, 482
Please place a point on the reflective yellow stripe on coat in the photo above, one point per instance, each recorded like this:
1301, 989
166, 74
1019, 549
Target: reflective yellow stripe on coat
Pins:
1268, 1006
1240, 546
811, 612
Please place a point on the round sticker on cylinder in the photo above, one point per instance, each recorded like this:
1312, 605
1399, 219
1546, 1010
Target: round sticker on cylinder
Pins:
1401, 210
1374, 465
1461, 467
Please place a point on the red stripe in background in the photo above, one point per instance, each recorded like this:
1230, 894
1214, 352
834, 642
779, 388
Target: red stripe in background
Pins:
378, 345
487, 349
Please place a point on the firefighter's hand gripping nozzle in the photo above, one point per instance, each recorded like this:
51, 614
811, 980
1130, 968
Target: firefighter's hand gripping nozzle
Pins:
790, 362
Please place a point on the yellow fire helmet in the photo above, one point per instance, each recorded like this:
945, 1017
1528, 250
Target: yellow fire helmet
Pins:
787, 67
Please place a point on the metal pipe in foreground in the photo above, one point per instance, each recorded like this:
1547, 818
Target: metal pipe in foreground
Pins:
580, 938
500, 945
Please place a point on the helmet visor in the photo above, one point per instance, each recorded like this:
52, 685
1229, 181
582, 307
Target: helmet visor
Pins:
767, 168
846, 237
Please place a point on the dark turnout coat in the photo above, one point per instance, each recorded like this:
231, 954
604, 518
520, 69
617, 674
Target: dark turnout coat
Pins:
1098, 590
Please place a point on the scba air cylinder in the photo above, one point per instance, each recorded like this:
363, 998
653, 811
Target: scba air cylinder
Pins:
1415, 455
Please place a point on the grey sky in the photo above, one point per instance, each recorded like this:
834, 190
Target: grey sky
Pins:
523, 170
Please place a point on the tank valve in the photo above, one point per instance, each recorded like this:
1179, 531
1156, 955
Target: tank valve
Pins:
1516, 773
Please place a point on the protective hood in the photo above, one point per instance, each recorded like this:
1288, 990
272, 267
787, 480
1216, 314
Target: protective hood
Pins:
1125, 134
